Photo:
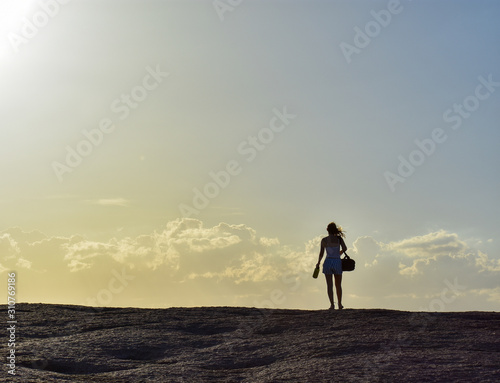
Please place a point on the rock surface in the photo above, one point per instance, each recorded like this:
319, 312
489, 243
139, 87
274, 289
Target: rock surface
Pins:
64, 343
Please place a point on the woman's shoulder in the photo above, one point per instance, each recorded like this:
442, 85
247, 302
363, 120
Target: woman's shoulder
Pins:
327, 239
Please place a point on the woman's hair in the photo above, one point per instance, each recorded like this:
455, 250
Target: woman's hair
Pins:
333, 229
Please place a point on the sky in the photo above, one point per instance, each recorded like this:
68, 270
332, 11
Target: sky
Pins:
192, 153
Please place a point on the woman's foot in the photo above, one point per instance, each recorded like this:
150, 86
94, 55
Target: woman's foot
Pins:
332, 307
341, 307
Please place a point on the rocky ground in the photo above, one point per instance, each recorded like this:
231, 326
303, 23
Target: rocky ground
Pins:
64, 343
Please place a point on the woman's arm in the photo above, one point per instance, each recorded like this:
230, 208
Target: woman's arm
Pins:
344, 247
321, 252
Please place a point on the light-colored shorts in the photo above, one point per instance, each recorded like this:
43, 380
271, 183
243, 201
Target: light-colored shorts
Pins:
332, 266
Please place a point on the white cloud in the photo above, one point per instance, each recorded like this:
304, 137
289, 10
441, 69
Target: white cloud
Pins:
8, 247
486, 264
76, 265
23, 263
421, 267
493, 295
110, 202
188, 262
430, 246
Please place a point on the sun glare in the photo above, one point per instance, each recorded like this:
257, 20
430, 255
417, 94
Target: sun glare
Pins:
13, 15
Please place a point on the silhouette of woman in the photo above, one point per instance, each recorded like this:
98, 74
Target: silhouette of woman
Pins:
333, 263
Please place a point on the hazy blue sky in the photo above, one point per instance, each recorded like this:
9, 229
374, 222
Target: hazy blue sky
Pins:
379, 115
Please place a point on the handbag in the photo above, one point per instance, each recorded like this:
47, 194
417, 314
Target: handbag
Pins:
348, 264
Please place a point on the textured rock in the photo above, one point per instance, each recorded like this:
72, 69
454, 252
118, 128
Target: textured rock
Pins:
64, 343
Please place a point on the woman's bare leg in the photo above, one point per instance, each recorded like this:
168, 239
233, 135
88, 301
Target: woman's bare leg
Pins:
338, 287
329, 288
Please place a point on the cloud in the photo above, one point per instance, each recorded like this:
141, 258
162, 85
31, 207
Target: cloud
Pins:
110, 202
486, 264
421, 267
431, 245
8, 247
186, 262
184, 245
493, 295
414, 255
